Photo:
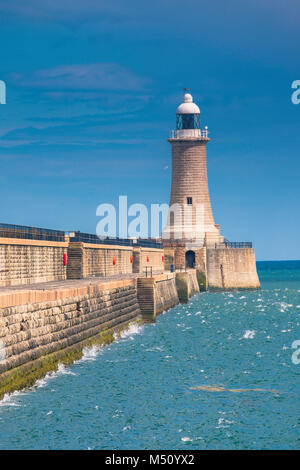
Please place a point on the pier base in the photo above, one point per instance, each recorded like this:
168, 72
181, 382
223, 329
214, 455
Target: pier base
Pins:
156, 294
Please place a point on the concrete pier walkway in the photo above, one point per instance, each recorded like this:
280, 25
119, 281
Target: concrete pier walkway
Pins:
29, 293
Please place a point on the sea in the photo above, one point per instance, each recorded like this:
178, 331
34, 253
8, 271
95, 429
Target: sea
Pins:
221, 372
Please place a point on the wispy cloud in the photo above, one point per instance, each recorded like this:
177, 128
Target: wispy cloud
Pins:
65, 9
99, 76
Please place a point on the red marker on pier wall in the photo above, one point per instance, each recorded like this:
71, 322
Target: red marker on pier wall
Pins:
65, 259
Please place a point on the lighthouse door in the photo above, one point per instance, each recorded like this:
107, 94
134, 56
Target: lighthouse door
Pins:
190, 259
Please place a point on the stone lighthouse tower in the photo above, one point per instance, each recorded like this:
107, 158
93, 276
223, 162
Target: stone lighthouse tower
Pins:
190, 221
191, 238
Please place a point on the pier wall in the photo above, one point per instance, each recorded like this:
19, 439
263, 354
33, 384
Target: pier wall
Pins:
156, 294
217, 268
24, 261
29, 261
91, 260
232, 268
45, 325
148, 257
37, 323
187, 285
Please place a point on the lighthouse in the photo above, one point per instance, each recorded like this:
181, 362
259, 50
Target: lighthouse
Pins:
190, 220
191, 238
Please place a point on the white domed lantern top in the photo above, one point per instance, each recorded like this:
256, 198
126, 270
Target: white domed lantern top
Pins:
188, 107
187, 115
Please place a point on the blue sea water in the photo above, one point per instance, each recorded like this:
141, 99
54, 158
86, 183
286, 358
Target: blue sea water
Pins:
214, 374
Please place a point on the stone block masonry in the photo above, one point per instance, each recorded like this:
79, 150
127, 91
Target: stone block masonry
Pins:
25, 261
30, 261
218, 268
91, 260
48, 323
187, 285
232, 268
156, 294
61, 318
148, 257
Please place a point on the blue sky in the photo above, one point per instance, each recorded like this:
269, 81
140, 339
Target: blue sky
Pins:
92, 90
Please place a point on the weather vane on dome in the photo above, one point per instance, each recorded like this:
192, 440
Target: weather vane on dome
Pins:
186, 89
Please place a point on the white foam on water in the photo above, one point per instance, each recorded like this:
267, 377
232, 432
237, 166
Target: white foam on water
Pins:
224, 420
132, 330
9, 399
186, 439
90, 353
61, 370
155, 348
249, 334
283, 306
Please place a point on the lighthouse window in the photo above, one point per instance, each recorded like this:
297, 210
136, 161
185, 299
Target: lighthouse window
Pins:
189, 201
188, 121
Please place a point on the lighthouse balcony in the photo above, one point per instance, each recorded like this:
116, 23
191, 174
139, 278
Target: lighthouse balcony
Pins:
199, 134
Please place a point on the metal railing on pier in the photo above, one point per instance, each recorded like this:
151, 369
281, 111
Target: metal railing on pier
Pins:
92, 238
148, 271
36, 233
228, 244
31, 233
238, 244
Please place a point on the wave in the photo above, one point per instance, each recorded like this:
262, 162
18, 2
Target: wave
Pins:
9, 398
249, 334
133, 329
90, 353
61, 370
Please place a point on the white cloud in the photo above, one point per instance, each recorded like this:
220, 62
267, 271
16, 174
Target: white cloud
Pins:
99, 76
